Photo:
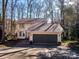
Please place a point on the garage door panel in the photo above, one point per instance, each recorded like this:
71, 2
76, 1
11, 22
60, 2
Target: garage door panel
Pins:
44, 38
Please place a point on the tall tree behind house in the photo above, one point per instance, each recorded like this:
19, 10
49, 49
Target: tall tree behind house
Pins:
4, 5
13, 7
29, 8
62, 10
0, 20
48, 9
50, 3
77, 21
37, 9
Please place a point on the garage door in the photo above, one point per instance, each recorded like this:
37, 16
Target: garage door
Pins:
45, 38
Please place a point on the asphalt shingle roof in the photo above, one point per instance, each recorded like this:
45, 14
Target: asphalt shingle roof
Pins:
46, 27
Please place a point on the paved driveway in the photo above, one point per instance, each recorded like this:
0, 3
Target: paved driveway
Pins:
23, 51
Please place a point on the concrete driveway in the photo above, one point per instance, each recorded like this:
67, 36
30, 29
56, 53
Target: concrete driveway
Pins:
23, 51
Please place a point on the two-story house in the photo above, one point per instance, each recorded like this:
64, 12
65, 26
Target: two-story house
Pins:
23, 24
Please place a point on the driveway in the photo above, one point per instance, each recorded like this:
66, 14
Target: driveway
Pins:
23, 51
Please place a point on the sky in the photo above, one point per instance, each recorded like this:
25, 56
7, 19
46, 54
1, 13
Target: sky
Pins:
56, 9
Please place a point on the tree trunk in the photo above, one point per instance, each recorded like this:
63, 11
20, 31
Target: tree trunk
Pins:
4, 5
12, 7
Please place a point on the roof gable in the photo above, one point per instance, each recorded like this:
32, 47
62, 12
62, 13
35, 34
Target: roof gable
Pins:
47, 27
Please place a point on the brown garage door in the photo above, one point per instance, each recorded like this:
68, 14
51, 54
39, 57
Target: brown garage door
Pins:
45, 38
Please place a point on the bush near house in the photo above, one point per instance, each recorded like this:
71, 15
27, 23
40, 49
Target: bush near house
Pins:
10, 36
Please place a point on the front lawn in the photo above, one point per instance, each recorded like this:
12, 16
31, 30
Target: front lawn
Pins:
67, 42
71, 43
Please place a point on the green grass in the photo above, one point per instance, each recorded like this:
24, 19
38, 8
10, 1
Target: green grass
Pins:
73, 44
67, 42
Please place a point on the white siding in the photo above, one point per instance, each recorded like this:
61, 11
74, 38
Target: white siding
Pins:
59, 37
21, 35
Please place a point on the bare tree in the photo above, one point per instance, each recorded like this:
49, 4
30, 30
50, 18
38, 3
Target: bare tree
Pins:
23, 6
62, 11
12, 7
77, 20
48, 11
4, 5
29, 8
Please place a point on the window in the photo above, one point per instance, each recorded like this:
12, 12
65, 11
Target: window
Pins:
23, 34
16, 34
21, 25
20, 33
